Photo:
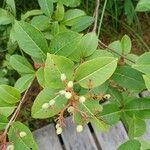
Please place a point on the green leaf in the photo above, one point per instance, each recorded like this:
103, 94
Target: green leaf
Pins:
44, 97
59, 13
95, 71
138, 107
82, 23
143, 5
70, 3
22, 83
7, 110
110, 114
3, 122
137, 127
86, 47
24, 143
72, 15
54, 67
147, 81
130, 145
90, 107
143, 63
100, 53
12, 6
60, 44
41, 22
145, 145
129, 78
126, 44
116, 96
9, 94
21, 64
131, 57
31, 13
116, 46
31, 40
40, 76
46, 7
5, 17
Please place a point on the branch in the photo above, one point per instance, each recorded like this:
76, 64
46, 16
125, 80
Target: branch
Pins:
96, 15
112, 50
16, 112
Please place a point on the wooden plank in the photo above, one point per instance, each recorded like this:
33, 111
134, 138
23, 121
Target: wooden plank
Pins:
77, 141
47, 138
113, 138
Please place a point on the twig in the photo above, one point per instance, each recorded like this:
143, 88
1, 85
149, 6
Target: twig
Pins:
15, 114
96, 15
112, 50
101, 19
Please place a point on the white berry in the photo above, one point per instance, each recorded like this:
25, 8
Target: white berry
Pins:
62, 92
22, 134
57, 125
59, 130
45, 106
51, 102
63, 77
82, 99
70, 109
79, 128
70, 84
107, 96
10, 147
68, 95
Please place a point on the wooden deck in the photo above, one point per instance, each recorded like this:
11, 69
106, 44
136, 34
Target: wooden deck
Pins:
89, 139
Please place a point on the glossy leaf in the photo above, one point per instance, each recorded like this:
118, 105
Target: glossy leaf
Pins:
126, 44
129, 78
60, 45
54, 67
41, 22
22, 83
59, 13
40, 76
21, 64
44, 97
70, 3
110, 114
147, 81
5, 17
86, 47
143, 5
143, 63
138, 107
137, 127
46, 7
12, 6
3, 122
26, 142
9, 94
130, 145
31, 40
7, 110
95, 71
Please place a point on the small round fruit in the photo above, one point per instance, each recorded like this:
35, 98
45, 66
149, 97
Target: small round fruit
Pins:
22, 134
63, 77
70, 84
59, 130
45, 106
82, 99
68, 95
79, 128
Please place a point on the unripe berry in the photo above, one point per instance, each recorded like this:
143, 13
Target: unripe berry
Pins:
51, 102
82, 99
45, 106
22, 134
70, 84
59, 130
10, 147
62, 92
70, 109
68, 95
63, 77
57, 125
79, 128
107, 96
